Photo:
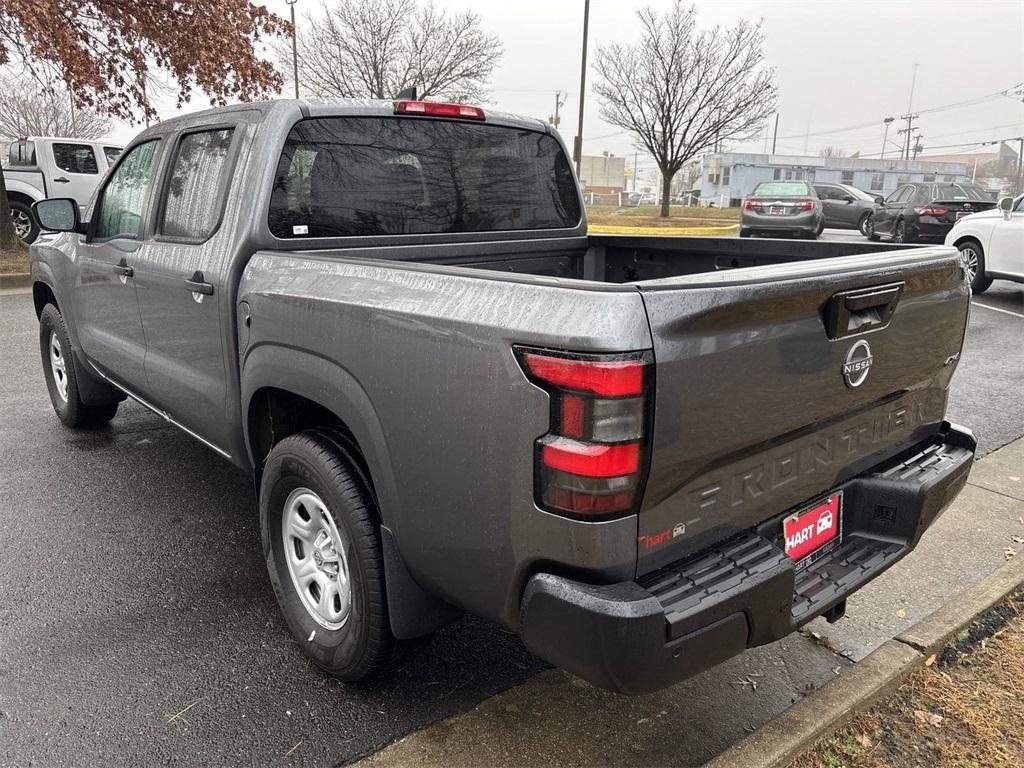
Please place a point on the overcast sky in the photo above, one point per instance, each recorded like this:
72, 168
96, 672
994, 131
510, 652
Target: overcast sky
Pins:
839, 64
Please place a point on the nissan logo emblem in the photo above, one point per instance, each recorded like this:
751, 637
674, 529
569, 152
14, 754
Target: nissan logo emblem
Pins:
857, 364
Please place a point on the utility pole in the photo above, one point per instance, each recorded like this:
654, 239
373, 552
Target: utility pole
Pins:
905, 152
636, 155
1019, 186
577, 145
910, 117
775, 133
295, 48
559, 103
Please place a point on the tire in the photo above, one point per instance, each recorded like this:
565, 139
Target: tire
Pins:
61, 374
24, 222
821, 228
812, 234
870, 225
973, 257
900, 233
307, 475
745, 233
864, 225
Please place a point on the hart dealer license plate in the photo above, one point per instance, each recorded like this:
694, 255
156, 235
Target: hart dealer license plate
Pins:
815, 531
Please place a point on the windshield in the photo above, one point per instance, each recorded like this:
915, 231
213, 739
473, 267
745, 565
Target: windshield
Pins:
344, 176
782, 189
960, 192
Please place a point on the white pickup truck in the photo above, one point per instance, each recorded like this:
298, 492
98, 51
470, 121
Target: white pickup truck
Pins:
37, 168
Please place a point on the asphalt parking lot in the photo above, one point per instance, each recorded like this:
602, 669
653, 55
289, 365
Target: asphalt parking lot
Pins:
138, 626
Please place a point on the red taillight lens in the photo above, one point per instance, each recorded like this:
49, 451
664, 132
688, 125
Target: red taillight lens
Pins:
590, 463
805, 205
438, 109
751, 205
927, 210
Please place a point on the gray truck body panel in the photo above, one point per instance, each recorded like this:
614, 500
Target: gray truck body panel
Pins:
407, 340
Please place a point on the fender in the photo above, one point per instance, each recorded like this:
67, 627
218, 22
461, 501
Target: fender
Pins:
19, 186
414, 611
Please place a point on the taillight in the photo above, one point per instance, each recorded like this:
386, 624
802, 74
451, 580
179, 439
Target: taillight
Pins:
438, 109
592, 461
751, 205
805, 205
927, 210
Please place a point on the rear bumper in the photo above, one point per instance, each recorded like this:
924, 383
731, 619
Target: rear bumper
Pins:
643, 635
797, 222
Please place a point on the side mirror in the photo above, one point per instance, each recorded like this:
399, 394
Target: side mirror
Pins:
58, 214
879, 200
1006, 205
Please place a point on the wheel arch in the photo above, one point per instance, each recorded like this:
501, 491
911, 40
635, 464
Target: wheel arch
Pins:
43, 294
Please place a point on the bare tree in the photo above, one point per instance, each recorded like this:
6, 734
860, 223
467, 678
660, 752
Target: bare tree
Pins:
31, 109
831, 151
375, 48
680, 90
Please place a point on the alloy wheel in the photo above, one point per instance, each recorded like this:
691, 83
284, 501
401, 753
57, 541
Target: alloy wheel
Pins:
22, 224
315, 549
969, 258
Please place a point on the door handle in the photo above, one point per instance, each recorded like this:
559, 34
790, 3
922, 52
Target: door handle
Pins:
124, 270
62, 180
851, 312
197, 284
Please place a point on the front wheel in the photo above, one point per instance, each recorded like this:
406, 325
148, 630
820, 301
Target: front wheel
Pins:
973, 259
865, 226
900, 234
61, 373
24, 224
324, 557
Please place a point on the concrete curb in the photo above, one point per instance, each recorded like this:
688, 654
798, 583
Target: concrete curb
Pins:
15, 280
611, 229
778, 742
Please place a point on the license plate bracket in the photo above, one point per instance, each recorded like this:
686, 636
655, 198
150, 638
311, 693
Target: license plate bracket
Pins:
814, 531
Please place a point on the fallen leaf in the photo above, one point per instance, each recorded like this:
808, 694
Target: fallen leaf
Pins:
1017, 539
901, 614
930, 660
1009, 552
863, 739
927, 718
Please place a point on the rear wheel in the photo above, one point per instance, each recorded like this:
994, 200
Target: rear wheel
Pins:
973, 259
821, 228
61, 375
900, 234
323, 553
24, 224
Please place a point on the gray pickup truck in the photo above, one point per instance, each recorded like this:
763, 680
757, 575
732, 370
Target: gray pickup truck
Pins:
643, 454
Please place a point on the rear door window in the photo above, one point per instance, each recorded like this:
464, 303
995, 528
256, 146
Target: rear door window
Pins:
119, 213
345, 176
75, 158
197, 186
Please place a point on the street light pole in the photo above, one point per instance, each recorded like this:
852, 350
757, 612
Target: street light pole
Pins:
577, 146
885, 136
295, 48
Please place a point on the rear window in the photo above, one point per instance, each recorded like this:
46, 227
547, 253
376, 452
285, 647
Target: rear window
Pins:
782, 188
960, 192
345, 176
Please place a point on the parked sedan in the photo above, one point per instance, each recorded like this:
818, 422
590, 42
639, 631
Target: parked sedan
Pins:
927, 211
782, 207
845, 207
991, 243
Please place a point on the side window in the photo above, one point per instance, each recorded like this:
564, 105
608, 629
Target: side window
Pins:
826, 193
112, 153
898, 196
197, 188
119, 213
922, 195
75, 158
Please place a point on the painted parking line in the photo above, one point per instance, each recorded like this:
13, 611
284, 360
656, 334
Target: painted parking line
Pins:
998, 309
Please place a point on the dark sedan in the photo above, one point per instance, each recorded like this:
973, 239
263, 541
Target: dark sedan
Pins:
927, 210
845, 207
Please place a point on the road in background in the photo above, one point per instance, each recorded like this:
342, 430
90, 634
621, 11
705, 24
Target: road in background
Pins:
138, 626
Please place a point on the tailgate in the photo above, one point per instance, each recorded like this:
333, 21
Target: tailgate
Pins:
774, 384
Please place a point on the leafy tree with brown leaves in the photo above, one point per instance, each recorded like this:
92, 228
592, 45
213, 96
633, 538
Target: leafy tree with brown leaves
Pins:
681, 90
103, 49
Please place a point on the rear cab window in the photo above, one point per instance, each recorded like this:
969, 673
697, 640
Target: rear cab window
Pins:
75, 158
352, 176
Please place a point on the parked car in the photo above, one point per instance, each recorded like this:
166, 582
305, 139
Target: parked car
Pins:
38, 168
644, 454
788, 207
643, 198
991, 243
926, 210
845, 207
